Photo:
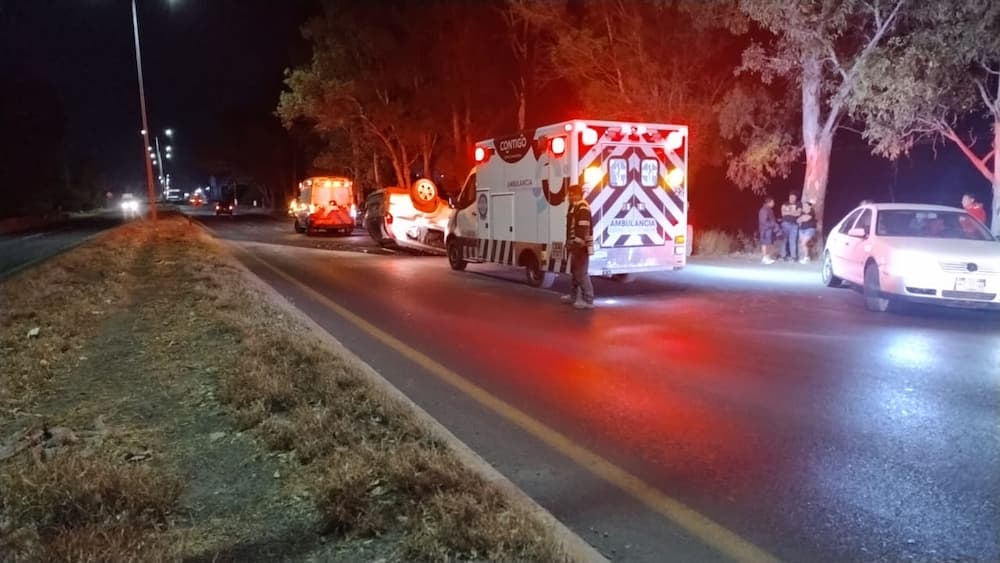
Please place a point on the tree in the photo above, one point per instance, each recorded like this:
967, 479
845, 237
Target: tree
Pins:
921, 86
649, 61
367, 70
819, 48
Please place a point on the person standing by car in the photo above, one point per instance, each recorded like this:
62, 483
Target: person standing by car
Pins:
973, 207
579, 245
790, 211
807, 230
766, 226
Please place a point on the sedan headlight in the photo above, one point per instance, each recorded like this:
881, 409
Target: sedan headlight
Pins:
908, 263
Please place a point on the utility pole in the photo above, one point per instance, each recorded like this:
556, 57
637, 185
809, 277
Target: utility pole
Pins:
150, 189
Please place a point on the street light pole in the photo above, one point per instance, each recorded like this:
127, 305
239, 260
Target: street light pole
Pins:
150, 189
162, 165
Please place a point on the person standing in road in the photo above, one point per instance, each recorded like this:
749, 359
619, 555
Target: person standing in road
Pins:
974, 208
790, 211
766, 226
579, 245
807, 230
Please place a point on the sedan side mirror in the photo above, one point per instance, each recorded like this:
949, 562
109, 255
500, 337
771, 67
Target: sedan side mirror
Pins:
858, 232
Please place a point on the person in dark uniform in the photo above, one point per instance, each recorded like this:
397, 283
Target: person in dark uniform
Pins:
579, 246
766, 227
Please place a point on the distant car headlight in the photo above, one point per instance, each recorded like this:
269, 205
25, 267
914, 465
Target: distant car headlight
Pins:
354, 212
911, 264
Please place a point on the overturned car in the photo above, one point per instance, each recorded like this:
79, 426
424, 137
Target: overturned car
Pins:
414, 218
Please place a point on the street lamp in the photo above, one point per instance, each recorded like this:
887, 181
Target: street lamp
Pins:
150, 190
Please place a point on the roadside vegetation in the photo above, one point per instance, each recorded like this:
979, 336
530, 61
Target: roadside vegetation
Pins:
722, 243
155, 405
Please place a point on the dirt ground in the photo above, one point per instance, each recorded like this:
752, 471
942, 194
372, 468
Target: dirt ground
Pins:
140, 359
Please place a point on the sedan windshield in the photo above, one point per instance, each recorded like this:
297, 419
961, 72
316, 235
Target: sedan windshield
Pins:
930, 224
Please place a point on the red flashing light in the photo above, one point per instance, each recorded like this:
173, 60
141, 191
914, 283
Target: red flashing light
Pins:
558, 145
480, 154
568, 127
588, 137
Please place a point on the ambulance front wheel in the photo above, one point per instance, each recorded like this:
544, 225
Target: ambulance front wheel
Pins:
455, 256
532, 269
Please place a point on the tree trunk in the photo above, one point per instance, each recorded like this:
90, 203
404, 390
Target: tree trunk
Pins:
995, 219
456, 134
817, 139
522, 105
375, 173
426, 154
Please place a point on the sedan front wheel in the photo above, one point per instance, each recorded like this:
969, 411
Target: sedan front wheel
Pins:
829, 279
875, 300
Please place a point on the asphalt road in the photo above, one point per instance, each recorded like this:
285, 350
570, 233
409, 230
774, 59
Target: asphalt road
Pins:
19, 251
731, 411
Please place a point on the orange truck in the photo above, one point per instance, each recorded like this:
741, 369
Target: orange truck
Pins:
325, 203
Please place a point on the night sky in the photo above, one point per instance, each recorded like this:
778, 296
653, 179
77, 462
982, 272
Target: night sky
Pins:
205, 60
201, 59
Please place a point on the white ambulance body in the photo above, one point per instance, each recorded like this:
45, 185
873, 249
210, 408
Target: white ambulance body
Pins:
512, 209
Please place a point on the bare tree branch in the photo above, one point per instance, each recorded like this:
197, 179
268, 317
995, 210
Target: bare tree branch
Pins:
979, 163
991, 104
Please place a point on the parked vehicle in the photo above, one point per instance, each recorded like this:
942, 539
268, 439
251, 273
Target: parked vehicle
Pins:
325, 204
512, 209
909, 252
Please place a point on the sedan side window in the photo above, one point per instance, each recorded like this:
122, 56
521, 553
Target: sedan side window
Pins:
849, 222
865, 222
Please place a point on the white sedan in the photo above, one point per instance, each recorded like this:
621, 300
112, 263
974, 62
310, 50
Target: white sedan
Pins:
906, 252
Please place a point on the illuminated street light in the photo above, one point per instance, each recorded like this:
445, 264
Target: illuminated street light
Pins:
169, 132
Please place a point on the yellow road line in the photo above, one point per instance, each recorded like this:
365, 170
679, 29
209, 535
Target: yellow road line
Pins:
712, 534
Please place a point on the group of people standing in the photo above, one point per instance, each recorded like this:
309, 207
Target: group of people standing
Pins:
794, 232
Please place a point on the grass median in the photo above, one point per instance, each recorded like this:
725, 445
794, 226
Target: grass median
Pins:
155, 405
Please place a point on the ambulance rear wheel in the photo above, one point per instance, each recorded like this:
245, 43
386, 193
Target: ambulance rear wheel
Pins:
532, 269
455, 256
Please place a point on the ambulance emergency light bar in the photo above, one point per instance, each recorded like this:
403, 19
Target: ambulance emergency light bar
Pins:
671, 140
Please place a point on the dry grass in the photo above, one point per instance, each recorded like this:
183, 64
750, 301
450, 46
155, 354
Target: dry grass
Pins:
77, 508
722, 243
66, 299
372, 470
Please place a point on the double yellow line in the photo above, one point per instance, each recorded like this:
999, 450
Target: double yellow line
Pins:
698, 525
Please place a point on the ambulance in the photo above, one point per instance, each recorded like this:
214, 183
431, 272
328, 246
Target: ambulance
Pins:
512, 208
324, 204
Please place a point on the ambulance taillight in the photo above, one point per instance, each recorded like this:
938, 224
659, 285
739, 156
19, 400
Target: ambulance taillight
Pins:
675, 140
558, 145
593, 175
675, 177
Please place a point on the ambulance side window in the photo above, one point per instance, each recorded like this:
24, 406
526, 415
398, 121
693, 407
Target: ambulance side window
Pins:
650, 172
468, 194
618, 172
